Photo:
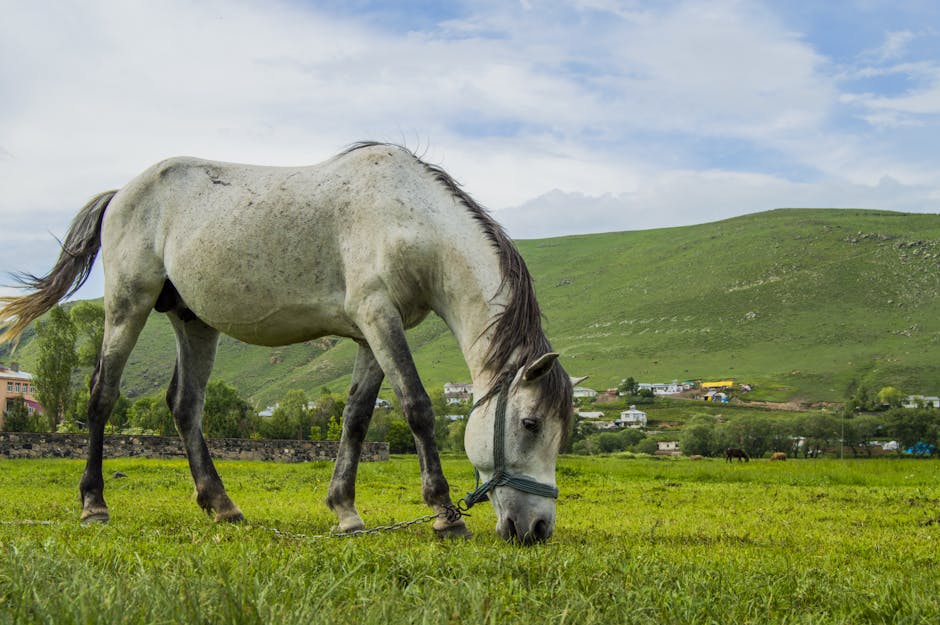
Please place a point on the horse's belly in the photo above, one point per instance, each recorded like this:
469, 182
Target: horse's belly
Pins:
284, 326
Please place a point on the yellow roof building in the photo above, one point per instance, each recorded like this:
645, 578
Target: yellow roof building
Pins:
719, 384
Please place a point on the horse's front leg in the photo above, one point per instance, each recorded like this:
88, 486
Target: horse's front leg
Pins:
366, 381
420, 416
386, 335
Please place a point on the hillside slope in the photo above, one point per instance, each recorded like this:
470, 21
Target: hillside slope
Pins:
805, 303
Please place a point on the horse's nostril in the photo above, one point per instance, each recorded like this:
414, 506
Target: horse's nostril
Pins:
541, 530
525, 534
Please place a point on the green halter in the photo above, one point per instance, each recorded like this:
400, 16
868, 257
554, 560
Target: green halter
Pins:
500, 476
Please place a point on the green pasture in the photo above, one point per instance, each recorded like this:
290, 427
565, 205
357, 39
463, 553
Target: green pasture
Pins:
637, 541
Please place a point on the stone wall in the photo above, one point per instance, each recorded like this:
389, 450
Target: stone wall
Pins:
39, 445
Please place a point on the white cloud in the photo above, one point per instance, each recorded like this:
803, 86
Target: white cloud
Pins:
671, 198
895, 45
717, 69
596, 98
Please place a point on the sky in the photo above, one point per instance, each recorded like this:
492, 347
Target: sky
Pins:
559, 117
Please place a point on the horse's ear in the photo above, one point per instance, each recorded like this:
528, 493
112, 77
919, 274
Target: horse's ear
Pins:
576, 381
540, 367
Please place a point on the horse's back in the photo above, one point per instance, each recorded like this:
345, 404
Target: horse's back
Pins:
274, 255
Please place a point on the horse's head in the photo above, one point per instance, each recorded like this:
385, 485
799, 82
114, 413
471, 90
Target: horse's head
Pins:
513, 439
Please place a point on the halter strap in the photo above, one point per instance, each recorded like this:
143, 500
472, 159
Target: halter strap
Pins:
501, 477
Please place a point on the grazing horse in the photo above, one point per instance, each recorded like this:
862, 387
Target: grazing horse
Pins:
734, 452
778, 455
364, 245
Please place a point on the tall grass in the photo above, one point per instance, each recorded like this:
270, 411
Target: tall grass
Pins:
637, 541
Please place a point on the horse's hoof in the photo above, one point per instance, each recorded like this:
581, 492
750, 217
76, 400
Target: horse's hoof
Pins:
349, 526
230, 516
453, 531
90, 517
348, 522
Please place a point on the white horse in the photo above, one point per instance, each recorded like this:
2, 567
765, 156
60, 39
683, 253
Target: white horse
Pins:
364, 246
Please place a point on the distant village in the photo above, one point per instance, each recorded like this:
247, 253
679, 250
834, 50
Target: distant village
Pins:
18, 393
586, 401
718, 391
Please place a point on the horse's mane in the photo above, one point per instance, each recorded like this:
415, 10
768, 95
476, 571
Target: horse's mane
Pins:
518, 339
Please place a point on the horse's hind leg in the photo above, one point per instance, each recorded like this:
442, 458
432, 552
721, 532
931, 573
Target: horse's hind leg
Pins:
124, 320
366, 381
195, 352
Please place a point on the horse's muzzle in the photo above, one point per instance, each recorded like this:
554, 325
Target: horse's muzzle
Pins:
525, 532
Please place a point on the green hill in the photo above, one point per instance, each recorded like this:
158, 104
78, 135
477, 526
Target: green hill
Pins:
804, 303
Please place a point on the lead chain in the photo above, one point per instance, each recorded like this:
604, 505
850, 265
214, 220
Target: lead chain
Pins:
451, 514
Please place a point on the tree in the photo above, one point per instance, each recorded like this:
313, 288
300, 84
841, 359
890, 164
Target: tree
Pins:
455, 435
863, 400
629, 386
755, 434
290, 420
861, 431
151, 414
890, 396
119, 416
78, 413
821, 430
580, 430
328, 408
55, 340
226, 414
17, 417
914, 425
442, 422
698, 438
335, 429
399, 438
646, 446
88, 318
378, 428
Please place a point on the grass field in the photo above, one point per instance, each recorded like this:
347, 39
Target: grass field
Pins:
637, 541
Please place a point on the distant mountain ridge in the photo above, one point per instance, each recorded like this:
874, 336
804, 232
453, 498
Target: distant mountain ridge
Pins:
803, 303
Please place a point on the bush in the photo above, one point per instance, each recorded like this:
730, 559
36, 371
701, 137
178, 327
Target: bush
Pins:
646, 446
607, 442
17, 417
399, 438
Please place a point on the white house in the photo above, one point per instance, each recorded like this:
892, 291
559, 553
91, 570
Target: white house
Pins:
458, 392
672, 388
581, 392
668, 448
916, 401
632, 418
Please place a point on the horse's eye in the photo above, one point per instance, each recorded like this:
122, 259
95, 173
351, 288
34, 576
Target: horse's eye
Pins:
531, 424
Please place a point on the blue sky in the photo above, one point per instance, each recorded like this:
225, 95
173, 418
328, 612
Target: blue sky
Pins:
561, 117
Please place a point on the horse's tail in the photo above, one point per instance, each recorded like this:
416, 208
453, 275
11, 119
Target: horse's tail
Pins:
76, 259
